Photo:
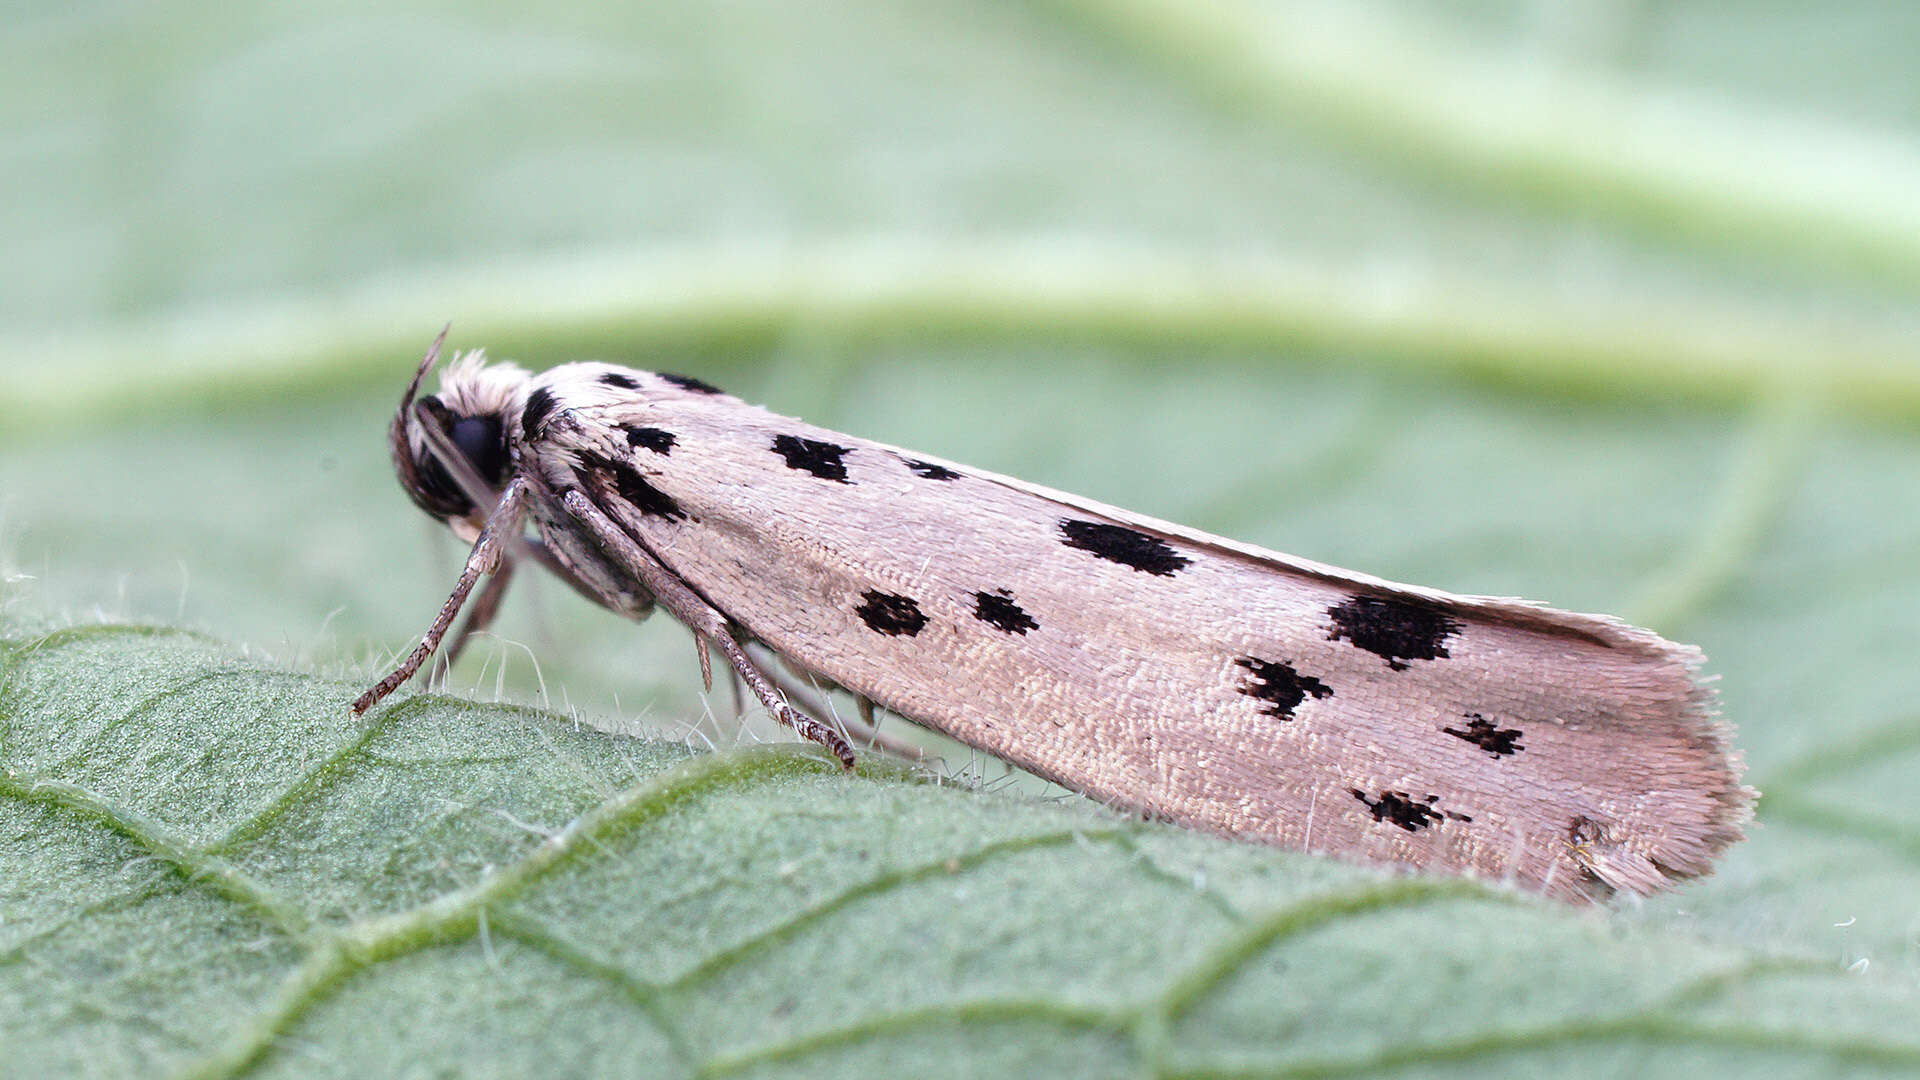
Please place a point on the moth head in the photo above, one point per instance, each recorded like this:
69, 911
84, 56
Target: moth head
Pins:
450, 448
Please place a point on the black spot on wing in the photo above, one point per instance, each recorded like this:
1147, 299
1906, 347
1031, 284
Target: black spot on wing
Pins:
651, 438
619, 381
891, 613
1280, 686
931, 471
1395, 630
1481, 732
691, 384
600, 473
540, 405
997, 609
1128, 547
1404, 810
822, 459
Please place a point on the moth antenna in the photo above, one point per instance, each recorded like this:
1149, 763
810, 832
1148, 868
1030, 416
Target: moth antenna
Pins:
441, 446
433, 355
398, 431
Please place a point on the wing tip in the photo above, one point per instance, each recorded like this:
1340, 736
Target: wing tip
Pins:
1714, 805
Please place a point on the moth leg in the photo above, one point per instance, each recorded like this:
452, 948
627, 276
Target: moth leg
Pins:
503, 525
706, 667
544, 555
739, 695
868, 729
801, 689
797, 691
811, 698
485, 607
869, 732
705, 620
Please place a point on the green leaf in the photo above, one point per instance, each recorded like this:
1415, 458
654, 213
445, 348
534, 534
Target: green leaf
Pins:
209, 869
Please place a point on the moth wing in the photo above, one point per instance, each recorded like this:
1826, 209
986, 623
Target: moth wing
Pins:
1515, 611
1190, 677
1662, 674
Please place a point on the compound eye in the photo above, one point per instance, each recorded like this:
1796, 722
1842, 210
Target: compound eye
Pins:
480, 439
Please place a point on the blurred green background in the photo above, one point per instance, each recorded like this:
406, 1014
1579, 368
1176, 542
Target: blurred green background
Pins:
1607, 304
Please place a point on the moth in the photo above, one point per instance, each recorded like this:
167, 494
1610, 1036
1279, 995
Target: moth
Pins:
1157, 668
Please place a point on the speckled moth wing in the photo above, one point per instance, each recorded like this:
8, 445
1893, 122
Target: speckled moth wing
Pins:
1197, 679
